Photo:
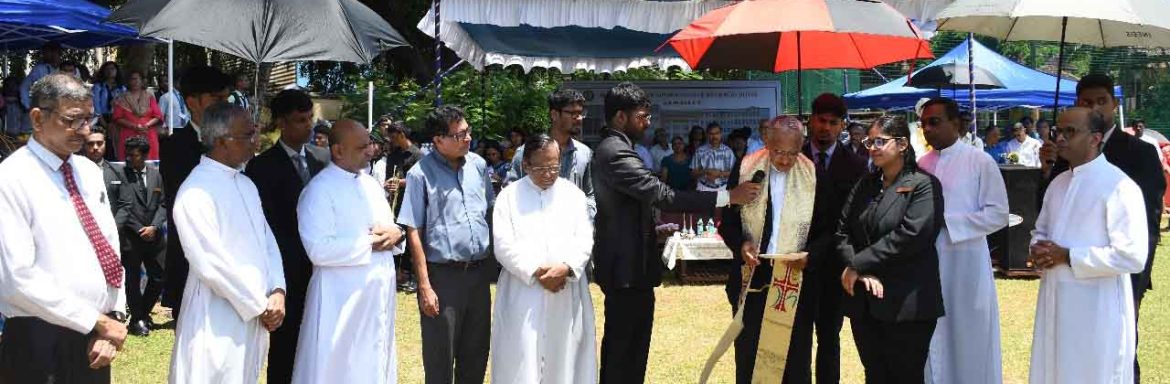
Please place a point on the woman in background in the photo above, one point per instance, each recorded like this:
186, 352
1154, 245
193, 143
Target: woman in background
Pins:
136, 113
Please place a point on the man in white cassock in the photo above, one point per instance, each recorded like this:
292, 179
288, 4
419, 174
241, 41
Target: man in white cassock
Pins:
1090, 235
965, 346
542, 326
349, 234
234, 294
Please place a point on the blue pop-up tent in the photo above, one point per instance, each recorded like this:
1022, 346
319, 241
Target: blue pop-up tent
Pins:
75, 24
1023, 86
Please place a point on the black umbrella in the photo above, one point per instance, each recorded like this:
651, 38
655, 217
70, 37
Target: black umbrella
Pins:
265, 31
954, 74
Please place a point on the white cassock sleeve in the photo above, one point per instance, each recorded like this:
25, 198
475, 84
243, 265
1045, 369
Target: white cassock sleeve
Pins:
993, 212
211, 261
1125, 220
582, 238
512, 253
24, 285
1042, 230
318, 227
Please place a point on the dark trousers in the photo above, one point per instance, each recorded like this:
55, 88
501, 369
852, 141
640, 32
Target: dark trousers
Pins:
1141, 283
282, 352
625, 347
819, 305
176, 271
34, 352
138, 255
892, 352
456, 343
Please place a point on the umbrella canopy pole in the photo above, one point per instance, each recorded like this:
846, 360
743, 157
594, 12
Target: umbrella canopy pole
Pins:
256, 95
171, 85
438, 56
1059, 68
971, 78
799, 85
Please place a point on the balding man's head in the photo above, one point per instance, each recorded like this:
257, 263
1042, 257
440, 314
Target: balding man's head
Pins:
350, 145
783, 138
1081, 131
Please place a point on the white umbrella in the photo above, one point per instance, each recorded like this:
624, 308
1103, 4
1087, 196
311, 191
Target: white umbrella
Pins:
1119, 23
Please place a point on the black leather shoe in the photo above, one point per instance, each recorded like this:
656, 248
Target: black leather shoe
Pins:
139, 328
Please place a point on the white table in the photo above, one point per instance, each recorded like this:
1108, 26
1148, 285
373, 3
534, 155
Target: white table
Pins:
699, 248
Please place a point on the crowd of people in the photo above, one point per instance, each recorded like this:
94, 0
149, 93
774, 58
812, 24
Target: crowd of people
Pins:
293, 256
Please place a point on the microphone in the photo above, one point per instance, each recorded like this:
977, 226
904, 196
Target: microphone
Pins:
758, 177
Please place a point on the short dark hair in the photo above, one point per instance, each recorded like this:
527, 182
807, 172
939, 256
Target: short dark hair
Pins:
949, 106
713, 124
439, 121
322, 129
1043, 120
535, 143
397, 127
289, 101
564, 97
1026, 120
138, 143
1095, 80
829, 103
624, 97
854, 125
97, 129
1138, 121
201, 79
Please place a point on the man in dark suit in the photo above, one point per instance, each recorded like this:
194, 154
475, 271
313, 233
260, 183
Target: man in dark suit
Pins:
280, 173
627, 264
1139, 161
95, 150
179, 153
140, 204
838, 169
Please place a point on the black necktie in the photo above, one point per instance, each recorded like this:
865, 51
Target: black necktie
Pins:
823, 161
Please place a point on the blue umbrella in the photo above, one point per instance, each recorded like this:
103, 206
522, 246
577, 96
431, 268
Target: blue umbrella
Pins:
75, 24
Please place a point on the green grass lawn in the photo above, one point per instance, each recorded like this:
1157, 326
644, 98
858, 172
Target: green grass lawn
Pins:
690, 319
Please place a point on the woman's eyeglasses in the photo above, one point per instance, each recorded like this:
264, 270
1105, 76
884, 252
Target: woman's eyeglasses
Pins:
879, 142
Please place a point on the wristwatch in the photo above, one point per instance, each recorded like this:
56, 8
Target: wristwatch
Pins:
117, 316
571, 273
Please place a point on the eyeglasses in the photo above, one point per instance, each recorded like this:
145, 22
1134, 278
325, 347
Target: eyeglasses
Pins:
547, 171
1067, 132
880, 142
75, 122
785, 154
252, 138
575, 114
461, 135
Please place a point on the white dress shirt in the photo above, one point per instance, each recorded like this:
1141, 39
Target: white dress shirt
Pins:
48, 267
777, 187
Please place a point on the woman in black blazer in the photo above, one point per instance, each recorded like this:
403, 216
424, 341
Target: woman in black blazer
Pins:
886, 239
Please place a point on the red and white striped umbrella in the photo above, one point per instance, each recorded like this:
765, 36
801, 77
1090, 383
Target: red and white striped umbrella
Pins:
783, 35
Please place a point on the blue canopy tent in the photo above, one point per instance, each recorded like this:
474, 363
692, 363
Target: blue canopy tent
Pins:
75, 24
1023, 86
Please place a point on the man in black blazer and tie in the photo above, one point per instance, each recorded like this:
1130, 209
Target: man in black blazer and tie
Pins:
95, 150
144, 217
179, 153
1139, 161
280, 173
627, 263
838, 169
